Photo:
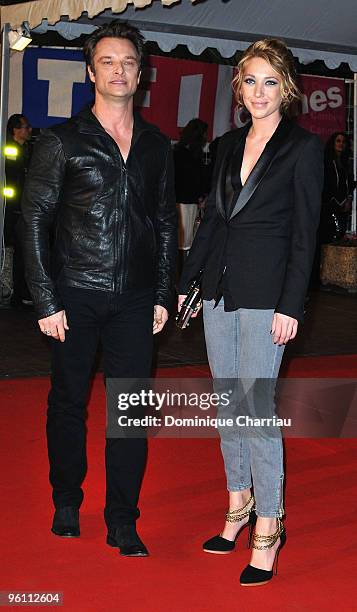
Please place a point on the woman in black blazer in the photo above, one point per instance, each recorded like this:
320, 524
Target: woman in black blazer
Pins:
255, 246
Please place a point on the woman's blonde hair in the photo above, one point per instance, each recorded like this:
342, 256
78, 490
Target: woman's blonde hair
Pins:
280, 58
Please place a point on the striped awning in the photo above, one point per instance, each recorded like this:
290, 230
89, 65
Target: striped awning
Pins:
52, 10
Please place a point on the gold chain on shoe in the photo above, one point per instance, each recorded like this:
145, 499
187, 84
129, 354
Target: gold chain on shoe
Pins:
233, 516
262, 542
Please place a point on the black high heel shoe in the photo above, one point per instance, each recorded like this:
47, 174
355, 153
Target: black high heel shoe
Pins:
221, 546
253, 576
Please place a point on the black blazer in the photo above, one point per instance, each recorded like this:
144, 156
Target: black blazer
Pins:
267, 242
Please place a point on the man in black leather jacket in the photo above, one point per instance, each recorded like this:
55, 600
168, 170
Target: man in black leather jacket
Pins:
102, 185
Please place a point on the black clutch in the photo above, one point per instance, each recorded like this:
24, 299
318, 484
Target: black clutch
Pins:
191, 303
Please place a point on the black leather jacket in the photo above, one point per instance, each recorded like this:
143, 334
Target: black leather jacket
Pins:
113, 223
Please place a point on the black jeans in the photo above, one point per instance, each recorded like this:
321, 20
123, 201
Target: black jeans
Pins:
123, 324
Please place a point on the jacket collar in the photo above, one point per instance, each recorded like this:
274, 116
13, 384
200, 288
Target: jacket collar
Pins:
263, 164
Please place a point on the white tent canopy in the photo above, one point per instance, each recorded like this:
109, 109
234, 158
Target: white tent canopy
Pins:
314, 29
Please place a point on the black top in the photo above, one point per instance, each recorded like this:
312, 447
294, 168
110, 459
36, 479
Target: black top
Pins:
233, 180
189, 175
338, 183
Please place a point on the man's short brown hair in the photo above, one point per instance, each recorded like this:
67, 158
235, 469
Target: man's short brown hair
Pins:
114, 29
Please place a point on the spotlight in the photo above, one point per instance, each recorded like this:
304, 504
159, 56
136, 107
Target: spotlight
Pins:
9, 192
20, 38
11, 152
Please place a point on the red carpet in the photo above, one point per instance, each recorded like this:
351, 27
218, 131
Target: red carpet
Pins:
183, 502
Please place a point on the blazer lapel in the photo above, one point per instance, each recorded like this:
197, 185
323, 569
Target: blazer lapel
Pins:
263, 164
224, 189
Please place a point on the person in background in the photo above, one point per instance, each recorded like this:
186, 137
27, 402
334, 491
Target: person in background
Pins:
190, 183
213, 148
338, 188
255, 246
17, 160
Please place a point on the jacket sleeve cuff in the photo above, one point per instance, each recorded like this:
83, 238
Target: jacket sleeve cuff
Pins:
294, 311
167, 301
46, 310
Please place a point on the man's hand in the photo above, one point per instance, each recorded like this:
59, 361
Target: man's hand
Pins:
160, 317
283, 328
55, 326
181, 299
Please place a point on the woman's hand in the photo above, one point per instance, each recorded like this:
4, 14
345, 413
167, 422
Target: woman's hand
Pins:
181, 299
283, 328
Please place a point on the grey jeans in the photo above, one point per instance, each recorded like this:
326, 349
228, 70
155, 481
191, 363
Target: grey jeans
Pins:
240, 348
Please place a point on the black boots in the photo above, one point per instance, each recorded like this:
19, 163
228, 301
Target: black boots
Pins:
66, 522
127, 540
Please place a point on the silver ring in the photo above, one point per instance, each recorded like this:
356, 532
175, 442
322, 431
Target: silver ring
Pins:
48, 332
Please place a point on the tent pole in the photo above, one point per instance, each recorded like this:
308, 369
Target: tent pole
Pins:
4, 96
353, 221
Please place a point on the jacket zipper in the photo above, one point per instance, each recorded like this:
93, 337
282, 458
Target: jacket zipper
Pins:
121, 203
116, 223
122, 238
119, 242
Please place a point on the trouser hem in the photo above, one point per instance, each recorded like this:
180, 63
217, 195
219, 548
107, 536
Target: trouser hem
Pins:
237, 489
121, 524
273, 514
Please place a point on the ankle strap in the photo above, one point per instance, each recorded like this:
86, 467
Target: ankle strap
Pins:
262, 542
233, 516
